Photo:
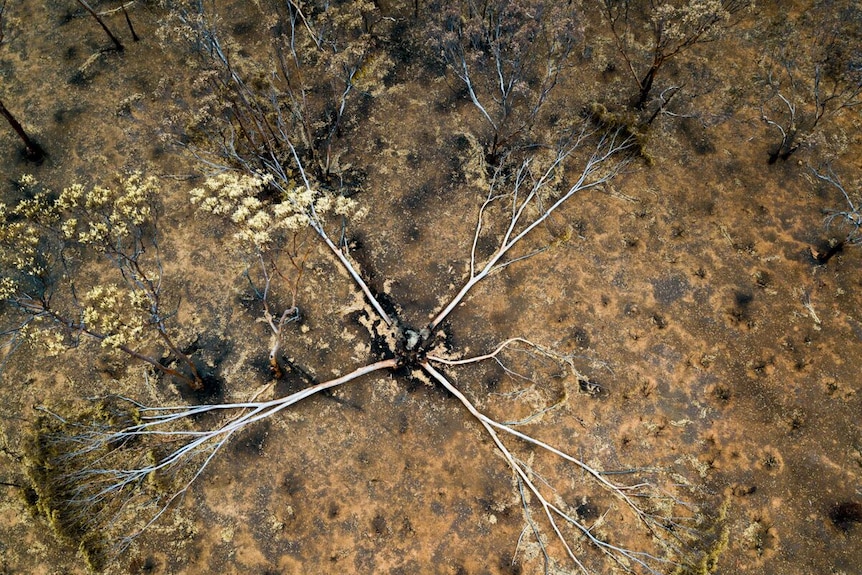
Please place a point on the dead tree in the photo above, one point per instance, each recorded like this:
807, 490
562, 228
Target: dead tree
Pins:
813, 76
508, 56
650, 33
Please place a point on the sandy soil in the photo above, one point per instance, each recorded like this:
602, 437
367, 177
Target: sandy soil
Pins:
719, 350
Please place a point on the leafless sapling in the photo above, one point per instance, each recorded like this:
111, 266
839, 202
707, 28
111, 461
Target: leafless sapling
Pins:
135, 37
508, 56
32, 150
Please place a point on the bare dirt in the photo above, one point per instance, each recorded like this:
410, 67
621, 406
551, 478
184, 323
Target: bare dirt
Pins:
686, 291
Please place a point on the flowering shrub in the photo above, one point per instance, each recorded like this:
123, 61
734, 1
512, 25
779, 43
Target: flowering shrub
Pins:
44, 237
259, 223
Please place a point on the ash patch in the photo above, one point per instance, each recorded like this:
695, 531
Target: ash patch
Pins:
667, 290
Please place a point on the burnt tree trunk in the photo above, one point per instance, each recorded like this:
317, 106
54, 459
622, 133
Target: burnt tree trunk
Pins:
32, 150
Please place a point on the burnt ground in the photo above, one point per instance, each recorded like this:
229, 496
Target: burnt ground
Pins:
686, 290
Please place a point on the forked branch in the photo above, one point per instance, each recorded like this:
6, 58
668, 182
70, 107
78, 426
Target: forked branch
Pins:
531, 200
557, 516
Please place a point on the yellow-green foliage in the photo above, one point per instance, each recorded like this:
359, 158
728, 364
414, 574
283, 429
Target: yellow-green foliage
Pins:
708, 562
41, 235
120, 313
696, 18
56, 493
625, 121
42, 456
96, 216
20, 233
93, 553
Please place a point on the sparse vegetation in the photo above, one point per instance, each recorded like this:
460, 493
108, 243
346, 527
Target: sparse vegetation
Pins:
814, 74
356, 286
648, 34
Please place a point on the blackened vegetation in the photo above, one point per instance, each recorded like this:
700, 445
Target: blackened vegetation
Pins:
580, 337
743, 299
846, 220
696, 134
587, 510
209, 387
411, 343
135, 37
405, 51
416, 199
211, 390
460, 155
827, 250
412, 346
292, 484
785, 148
845, 515
355, 244
591, 387
294, 378
722, 393
379, 525
492, 383
143, 566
